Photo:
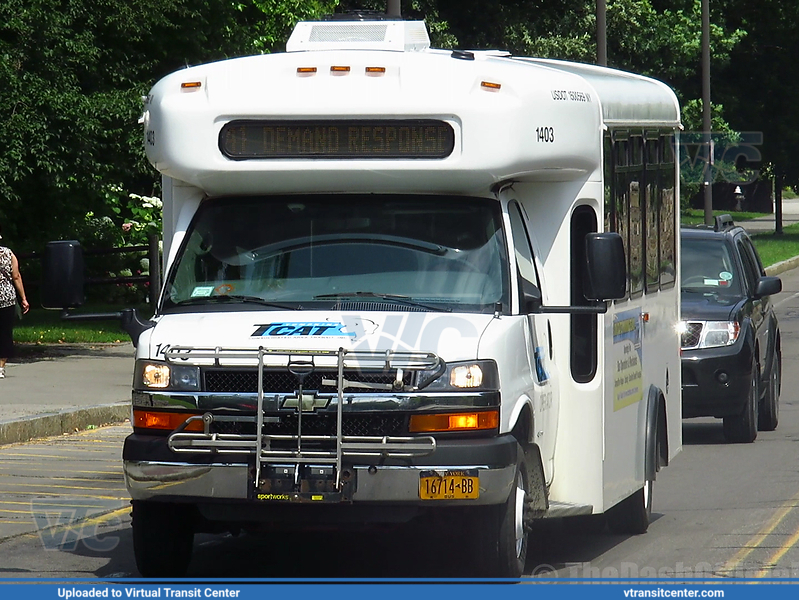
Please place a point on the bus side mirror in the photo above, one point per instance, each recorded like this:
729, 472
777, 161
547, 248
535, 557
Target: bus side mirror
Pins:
62, 275
606, 267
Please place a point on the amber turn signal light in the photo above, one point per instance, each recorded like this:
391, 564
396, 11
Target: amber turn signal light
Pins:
152, 419
454, 421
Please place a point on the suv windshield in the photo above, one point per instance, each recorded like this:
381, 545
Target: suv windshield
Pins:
708, 267
427, 252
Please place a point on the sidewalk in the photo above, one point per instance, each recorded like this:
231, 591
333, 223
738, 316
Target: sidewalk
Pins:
68, 388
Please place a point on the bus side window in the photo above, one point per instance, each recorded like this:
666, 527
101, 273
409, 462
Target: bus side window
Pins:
522, 248
668, 214
583, 353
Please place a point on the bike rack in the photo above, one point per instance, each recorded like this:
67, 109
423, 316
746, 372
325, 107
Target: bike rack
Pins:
301, 364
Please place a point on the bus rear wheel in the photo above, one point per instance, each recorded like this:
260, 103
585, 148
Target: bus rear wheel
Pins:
632, 515
163, 538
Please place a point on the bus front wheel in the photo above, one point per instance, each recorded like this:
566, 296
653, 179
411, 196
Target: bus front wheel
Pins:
502, 535
163, 538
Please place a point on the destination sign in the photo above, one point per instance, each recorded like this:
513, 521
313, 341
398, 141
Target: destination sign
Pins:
353, 139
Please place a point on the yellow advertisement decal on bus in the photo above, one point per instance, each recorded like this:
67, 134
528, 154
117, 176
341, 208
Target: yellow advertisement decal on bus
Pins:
628, 385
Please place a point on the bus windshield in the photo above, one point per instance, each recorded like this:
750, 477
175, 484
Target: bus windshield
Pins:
391, 252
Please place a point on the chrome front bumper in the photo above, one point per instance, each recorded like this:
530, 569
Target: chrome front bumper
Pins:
217, 481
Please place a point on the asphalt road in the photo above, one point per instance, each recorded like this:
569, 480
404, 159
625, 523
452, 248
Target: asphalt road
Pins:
721, 511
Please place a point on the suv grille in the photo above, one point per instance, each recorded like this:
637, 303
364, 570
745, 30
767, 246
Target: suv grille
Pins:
246, 381
693, 333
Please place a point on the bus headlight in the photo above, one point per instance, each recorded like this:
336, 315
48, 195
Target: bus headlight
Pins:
466, 376
152, 375
473, 375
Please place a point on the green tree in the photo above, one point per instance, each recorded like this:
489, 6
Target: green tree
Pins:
72, 73
759, 86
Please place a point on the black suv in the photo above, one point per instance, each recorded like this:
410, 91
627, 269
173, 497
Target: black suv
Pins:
730, 339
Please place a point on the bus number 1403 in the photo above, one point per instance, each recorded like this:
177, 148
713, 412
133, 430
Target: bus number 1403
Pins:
545, 134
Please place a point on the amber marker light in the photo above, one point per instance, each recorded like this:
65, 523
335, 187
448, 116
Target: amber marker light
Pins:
336, 69
152, 419
375, 70
441, 422
491, 86
306, 70
190, 85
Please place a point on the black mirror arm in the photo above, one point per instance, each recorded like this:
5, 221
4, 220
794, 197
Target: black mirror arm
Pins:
594, 309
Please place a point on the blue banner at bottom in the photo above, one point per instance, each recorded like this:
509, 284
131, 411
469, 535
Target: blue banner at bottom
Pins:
395, 589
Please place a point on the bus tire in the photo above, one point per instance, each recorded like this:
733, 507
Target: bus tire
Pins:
742, 429
163, 538
502, 535
632, 515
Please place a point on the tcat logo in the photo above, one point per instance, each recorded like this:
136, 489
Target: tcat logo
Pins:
326, 329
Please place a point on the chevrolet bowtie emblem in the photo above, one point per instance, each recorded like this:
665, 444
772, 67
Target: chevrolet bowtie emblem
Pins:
310, 402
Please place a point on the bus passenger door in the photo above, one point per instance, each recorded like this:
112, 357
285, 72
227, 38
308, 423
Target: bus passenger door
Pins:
539, 349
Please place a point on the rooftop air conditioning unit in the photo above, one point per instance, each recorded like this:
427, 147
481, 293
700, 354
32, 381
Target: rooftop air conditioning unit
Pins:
397, 36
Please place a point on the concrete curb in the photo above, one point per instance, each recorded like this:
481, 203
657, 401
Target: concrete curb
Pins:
781, 267
50, 424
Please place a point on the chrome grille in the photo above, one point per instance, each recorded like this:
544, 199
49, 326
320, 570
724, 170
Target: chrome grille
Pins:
275, 382
693, 333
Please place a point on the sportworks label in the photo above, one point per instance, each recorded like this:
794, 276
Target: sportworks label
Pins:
324, 329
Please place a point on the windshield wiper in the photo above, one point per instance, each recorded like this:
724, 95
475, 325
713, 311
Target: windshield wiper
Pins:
236, 299
396, 298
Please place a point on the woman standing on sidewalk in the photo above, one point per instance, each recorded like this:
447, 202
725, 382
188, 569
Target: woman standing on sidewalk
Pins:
10, 287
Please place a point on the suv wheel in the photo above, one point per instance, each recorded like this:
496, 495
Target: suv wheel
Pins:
770, 412
742, 429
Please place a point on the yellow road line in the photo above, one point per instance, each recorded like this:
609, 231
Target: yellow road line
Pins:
63, 478
82, 448
54, 456
64, 487
46, 470
42, 510
755, 541
63, 495
774, 559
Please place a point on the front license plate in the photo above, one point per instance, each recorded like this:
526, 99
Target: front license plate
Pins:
449, 485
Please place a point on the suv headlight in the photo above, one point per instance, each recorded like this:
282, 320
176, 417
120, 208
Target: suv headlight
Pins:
708, 334
154, 375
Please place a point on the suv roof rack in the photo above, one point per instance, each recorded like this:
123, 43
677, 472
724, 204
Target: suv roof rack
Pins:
723, 222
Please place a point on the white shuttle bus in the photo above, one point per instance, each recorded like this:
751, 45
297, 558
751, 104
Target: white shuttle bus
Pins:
404, 282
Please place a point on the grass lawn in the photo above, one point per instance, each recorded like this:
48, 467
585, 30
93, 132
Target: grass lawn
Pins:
41, 326
777, 248
696, 216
